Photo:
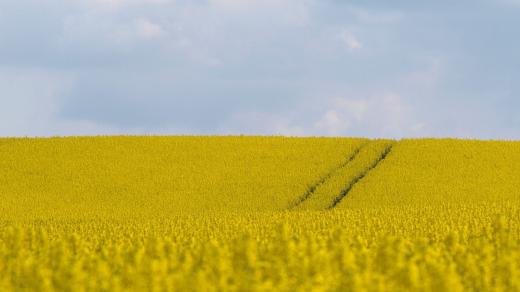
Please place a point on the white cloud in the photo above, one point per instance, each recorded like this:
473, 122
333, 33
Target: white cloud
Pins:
148, 29
331, 123
349, 40
261, 123
356, 108
383, 115
265, 12
380, 115
376, 17
252, 4
117, 4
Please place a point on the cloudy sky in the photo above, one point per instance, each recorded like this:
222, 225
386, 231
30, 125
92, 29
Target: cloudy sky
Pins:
267, 67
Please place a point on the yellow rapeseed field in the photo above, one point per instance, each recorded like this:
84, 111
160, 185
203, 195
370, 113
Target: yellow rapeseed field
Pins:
124, 177
258, 214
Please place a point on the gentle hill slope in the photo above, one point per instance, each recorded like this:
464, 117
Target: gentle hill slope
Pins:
160, 176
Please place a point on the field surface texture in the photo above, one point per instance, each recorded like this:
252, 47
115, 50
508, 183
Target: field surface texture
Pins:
258, 214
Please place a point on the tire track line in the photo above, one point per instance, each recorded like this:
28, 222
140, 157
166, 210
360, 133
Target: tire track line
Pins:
358, 178
310, 191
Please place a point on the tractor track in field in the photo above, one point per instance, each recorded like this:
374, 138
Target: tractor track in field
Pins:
323, 179
344, 193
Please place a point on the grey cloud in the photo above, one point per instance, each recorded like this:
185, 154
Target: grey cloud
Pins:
270, 67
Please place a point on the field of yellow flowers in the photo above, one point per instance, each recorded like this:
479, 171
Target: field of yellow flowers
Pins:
258, 213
